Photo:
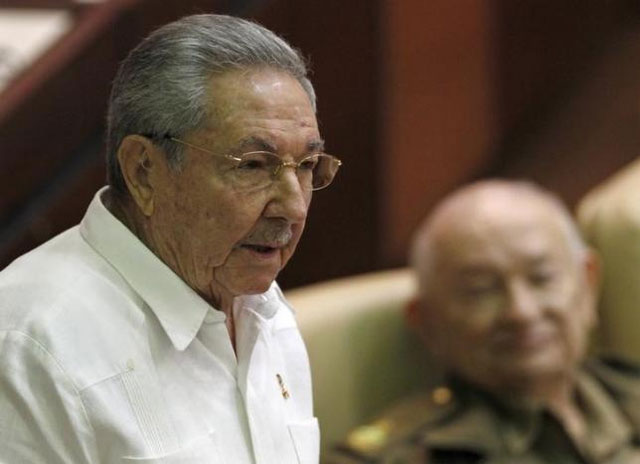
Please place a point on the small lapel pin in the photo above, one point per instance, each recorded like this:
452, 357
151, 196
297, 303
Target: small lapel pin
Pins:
283, 389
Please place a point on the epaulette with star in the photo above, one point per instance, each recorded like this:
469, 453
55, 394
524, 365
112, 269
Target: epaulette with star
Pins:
394, 436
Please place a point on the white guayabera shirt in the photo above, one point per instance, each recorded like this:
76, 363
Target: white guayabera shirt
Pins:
106, 356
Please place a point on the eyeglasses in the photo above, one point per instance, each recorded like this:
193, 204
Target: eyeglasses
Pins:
255, 170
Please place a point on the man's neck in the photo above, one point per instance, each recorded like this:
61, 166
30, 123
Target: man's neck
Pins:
563, 405
556, 394
120, 205
123, 208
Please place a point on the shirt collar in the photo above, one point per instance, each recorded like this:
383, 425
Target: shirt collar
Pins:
265, 305
608, 428
179, 309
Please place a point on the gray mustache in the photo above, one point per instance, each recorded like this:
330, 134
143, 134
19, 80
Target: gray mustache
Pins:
276, 233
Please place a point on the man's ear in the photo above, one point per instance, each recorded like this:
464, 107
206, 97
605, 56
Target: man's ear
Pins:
592, 275
412, 315
418, 319
593, 270
138, 158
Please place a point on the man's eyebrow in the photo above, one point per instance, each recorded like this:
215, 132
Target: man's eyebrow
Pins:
254, 142
315, 146
539, 259
473, 270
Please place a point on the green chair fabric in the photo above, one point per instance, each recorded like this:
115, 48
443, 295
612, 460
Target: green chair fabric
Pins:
609, 217
362, 355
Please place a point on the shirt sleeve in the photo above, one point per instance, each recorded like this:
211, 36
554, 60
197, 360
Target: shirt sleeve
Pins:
42, 416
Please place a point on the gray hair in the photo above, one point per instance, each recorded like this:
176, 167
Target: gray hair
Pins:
421, 255
161, 86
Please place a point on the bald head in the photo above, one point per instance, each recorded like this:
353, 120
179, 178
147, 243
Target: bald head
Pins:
480, 206
507, 286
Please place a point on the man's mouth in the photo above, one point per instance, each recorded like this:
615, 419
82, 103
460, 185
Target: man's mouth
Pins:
262, 249
533, 338
266, 242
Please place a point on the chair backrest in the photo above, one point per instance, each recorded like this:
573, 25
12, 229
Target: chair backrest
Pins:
363, 357
609, 217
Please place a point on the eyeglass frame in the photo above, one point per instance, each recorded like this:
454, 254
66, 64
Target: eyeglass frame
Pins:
283, 164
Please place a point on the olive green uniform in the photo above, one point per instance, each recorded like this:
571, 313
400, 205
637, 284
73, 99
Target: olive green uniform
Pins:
458, 424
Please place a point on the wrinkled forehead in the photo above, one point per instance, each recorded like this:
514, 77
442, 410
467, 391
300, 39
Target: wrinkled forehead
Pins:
259, 92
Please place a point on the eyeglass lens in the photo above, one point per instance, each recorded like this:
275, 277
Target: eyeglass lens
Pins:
258, 169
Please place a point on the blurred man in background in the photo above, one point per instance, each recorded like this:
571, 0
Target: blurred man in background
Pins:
154, 331
506, 301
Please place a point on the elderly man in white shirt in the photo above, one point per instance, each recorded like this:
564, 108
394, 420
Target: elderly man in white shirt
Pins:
154, 331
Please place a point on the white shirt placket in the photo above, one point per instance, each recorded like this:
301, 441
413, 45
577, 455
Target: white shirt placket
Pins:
259, 365
215, 338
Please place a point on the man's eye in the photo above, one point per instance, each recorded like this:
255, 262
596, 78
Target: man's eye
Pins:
309, 163
251, 164
476, 291
479, 287
541, 279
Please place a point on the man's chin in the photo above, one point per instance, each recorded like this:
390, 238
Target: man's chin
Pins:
260, 283
248, 277
522, 373
256, 290
530, 377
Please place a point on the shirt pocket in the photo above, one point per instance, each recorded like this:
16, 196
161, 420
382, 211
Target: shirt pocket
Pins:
306, 440
203, 450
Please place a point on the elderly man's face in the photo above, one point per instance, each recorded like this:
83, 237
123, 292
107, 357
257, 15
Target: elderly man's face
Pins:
509, 302
225, 241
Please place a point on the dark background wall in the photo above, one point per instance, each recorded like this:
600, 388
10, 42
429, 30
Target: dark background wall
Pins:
416, 97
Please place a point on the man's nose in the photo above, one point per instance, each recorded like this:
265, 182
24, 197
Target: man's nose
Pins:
290, 200
522, 304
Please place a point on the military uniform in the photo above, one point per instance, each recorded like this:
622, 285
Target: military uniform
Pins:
459, 424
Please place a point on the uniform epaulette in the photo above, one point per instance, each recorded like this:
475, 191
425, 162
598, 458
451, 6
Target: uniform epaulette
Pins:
620, 376
369, 442
624, 365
